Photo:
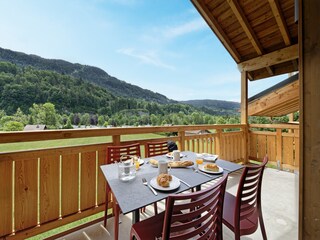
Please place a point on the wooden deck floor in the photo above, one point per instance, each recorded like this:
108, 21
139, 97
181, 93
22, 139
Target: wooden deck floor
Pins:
279, 203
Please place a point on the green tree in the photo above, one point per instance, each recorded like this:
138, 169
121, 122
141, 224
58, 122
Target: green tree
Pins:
13, 126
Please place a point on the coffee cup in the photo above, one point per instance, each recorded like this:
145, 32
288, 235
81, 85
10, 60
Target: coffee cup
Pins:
163, 166
176, 155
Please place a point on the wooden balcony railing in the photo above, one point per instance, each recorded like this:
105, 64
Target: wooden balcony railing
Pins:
43, 189
281, 144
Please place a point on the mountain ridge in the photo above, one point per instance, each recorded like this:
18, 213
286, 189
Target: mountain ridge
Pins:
89, 73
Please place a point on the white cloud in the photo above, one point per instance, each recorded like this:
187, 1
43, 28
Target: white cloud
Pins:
150, 57
185, 28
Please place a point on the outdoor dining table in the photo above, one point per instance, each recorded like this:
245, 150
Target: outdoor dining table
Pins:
133, 195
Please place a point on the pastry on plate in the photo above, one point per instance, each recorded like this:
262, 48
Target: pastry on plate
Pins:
211, 167
164, 179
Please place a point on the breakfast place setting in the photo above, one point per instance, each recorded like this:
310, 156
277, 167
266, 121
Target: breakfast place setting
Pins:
136, 182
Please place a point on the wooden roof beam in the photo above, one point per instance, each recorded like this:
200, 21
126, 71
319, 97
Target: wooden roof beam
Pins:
216, 28
245, 25
235, 7
276, 10
270, 59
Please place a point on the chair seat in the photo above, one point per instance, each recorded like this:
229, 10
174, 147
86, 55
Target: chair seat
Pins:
247, 226
149, 228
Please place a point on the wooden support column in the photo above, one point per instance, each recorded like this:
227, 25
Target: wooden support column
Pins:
309, 62
279, 147
244, 114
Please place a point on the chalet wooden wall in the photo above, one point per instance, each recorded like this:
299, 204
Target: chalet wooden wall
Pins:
309, 39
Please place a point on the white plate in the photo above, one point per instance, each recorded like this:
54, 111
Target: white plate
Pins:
201, 168
174, 184
169, 155
141, 161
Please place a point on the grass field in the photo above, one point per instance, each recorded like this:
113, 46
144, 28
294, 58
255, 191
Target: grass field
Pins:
11, 147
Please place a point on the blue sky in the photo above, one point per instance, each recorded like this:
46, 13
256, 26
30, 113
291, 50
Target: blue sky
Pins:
161, 45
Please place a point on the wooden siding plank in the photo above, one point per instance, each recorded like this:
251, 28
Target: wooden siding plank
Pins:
49, 188
262, 146
70, 184
88, 180
6, 198
26, 194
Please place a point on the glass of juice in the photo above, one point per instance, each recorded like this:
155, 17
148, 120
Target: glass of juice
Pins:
199, 161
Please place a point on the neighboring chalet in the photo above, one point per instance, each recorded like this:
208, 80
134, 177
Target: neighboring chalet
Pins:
34, 127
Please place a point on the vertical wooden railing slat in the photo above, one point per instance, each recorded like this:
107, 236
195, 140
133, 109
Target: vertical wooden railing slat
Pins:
26, 192
88, 180
101, 179
287, 150
271, 150
6, 197
70, 184
49, 187
262, 147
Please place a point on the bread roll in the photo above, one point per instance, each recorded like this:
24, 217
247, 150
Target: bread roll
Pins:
153, 161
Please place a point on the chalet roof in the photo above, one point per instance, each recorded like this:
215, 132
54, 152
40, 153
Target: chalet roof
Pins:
260, 35
278, 100
34, 127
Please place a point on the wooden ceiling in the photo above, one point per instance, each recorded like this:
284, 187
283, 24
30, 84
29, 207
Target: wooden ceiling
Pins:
260, 35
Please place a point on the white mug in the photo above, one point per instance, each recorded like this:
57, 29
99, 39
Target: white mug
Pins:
162, 166
176, 155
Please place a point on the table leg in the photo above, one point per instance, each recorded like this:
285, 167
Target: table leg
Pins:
135, 216
198, 188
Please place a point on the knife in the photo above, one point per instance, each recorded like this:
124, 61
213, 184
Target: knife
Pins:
184, 182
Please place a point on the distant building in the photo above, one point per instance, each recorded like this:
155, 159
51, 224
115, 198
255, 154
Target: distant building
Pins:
34, 127
197, 132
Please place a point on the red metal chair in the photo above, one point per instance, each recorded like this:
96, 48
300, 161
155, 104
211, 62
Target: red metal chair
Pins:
156, 148
243, 211
187, 216
113, 154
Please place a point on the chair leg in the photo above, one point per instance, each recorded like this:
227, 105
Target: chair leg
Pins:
263, 230
155, 208
116, 221
106, 211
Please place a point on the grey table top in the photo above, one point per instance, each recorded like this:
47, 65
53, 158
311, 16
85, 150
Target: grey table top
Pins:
134, 195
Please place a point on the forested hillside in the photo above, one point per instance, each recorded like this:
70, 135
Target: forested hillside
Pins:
21, 87
91, 74
214, 107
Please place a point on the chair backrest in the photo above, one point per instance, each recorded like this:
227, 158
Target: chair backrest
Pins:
248, 199
156, 148
115, 152
195, 215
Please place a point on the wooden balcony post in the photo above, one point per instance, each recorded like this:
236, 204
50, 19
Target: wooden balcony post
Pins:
116, 140
182, 135
309, 74
244, 113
